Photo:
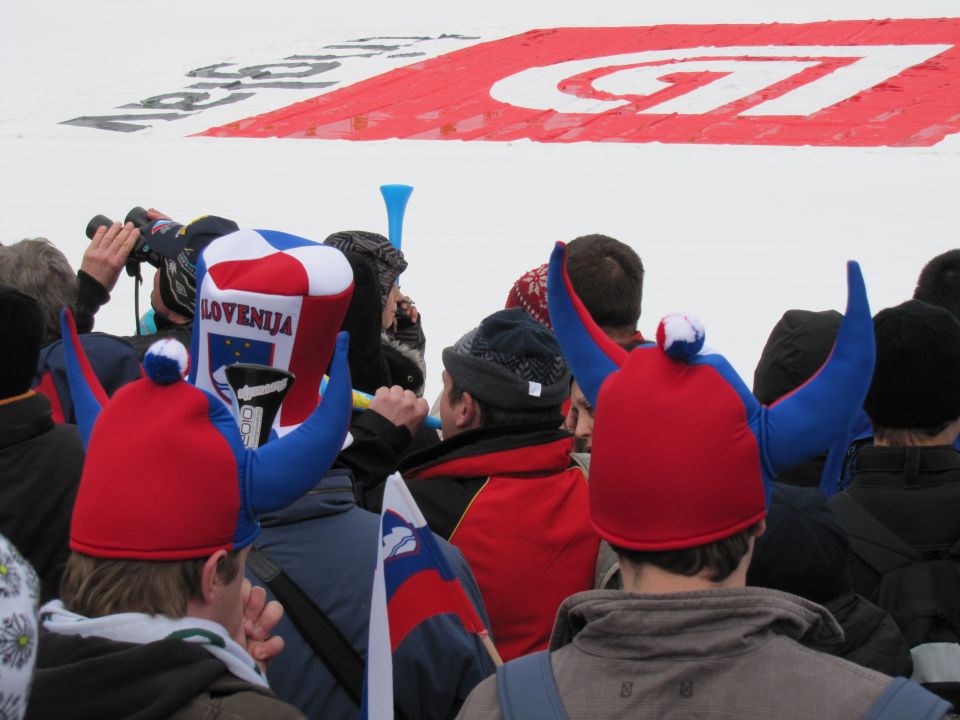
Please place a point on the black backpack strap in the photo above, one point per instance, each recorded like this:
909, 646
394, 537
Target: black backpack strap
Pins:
325, 638
903, 699
870, 540
527, 689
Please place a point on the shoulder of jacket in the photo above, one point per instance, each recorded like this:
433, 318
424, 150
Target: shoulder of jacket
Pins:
229, 698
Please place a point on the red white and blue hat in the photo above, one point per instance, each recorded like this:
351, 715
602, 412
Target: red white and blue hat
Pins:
683, 453
269, 298
167, 476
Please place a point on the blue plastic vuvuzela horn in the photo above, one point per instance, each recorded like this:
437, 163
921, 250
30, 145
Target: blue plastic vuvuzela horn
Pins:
396, 197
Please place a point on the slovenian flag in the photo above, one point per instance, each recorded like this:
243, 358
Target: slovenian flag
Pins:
412, 583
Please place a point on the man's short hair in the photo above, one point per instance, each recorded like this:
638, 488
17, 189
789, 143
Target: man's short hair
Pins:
38, 269
939, 282
607, 276
492, 415
719, 559
96, 587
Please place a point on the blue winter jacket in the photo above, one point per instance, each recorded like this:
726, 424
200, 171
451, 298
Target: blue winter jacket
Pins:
328, 546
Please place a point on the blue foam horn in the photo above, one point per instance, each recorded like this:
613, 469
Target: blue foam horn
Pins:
285, 469
808, 420
396, 197
86, 392
592, 355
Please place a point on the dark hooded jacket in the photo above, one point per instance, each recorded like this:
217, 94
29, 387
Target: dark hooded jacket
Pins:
82, 678
804, 552
40, 467
513, 501
327, 545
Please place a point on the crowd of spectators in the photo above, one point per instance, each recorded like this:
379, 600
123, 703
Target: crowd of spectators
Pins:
643, 534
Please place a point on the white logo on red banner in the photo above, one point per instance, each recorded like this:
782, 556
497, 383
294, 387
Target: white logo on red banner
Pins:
844, 83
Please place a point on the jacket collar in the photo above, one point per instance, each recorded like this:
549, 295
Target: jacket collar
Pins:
493, 450
24, 419
331, 496
617, 624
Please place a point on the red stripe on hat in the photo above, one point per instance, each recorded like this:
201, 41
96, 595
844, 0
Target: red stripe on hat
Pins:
276, 274
316, 334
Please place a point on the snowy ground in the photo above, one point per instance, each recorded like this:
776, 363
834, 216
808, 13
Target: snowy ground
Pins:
737, 234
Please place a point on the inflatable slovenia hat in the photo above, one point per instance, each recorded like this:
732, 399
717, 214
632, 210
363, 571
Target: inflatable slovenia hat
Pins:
682, 451
167, 476
273, 299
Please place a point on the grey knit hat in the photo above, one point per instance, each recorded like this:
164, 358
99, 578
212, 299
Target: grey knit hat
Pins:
510, 361
387, 261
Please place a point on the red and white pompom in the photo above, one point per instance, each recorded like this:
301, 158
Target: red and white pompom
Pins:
680, 336
166, 361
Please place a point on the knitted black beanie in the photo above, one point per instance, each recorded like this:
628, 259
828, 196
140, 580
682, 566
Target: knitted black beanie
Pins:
21, 335
916, 380
178, 275
510, 361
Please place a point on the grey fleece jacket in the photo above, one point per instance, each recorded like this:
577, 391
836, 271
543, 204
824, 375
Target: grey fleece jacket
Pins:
711, 655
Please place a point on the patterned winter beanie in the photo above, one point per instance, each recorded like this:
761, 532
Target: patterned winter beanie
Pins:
530, 293
510, 361
19, 592
388, 262
178, 275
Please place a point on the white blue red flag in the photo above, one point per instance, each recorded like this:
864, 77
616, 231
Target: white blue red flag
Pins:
412, 583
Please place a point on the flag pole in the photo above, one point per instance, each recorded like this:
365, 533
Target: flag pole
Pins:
491, 649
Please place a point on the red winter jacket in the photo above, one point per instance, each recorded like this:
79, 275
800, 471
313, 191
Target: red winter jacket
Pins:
511, 501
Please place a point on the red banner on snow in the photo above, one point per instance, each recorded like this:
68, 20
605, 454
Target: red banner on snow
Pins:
846, 83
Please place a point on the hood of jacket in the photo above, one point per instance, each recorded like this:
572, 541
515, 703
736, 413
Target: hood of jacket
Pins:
690, 625
86, 677
499, 450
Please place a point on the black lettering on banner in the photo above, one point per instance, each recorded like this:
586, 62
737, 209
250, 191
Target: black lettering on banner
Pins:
186, 101
381, 48
257, 72
277, 85
415, 38
268, 76
626, 689
114, 122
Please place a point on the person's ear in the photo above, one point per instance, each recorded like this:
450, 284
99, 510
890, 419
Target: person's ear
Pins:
210, 583
469, 414
760, 528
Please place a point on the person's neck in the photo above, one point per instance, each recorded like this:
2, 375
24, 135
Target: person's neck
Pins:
620, 335
908, 438
650, 580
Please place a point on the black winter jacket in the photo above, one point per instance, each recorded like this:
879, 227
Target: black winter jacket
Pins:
91, 677
40, 467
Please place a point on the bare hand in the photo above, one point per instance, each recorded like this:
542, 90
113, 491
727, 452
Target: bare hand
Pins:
107, 253
401, 407
259, 619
